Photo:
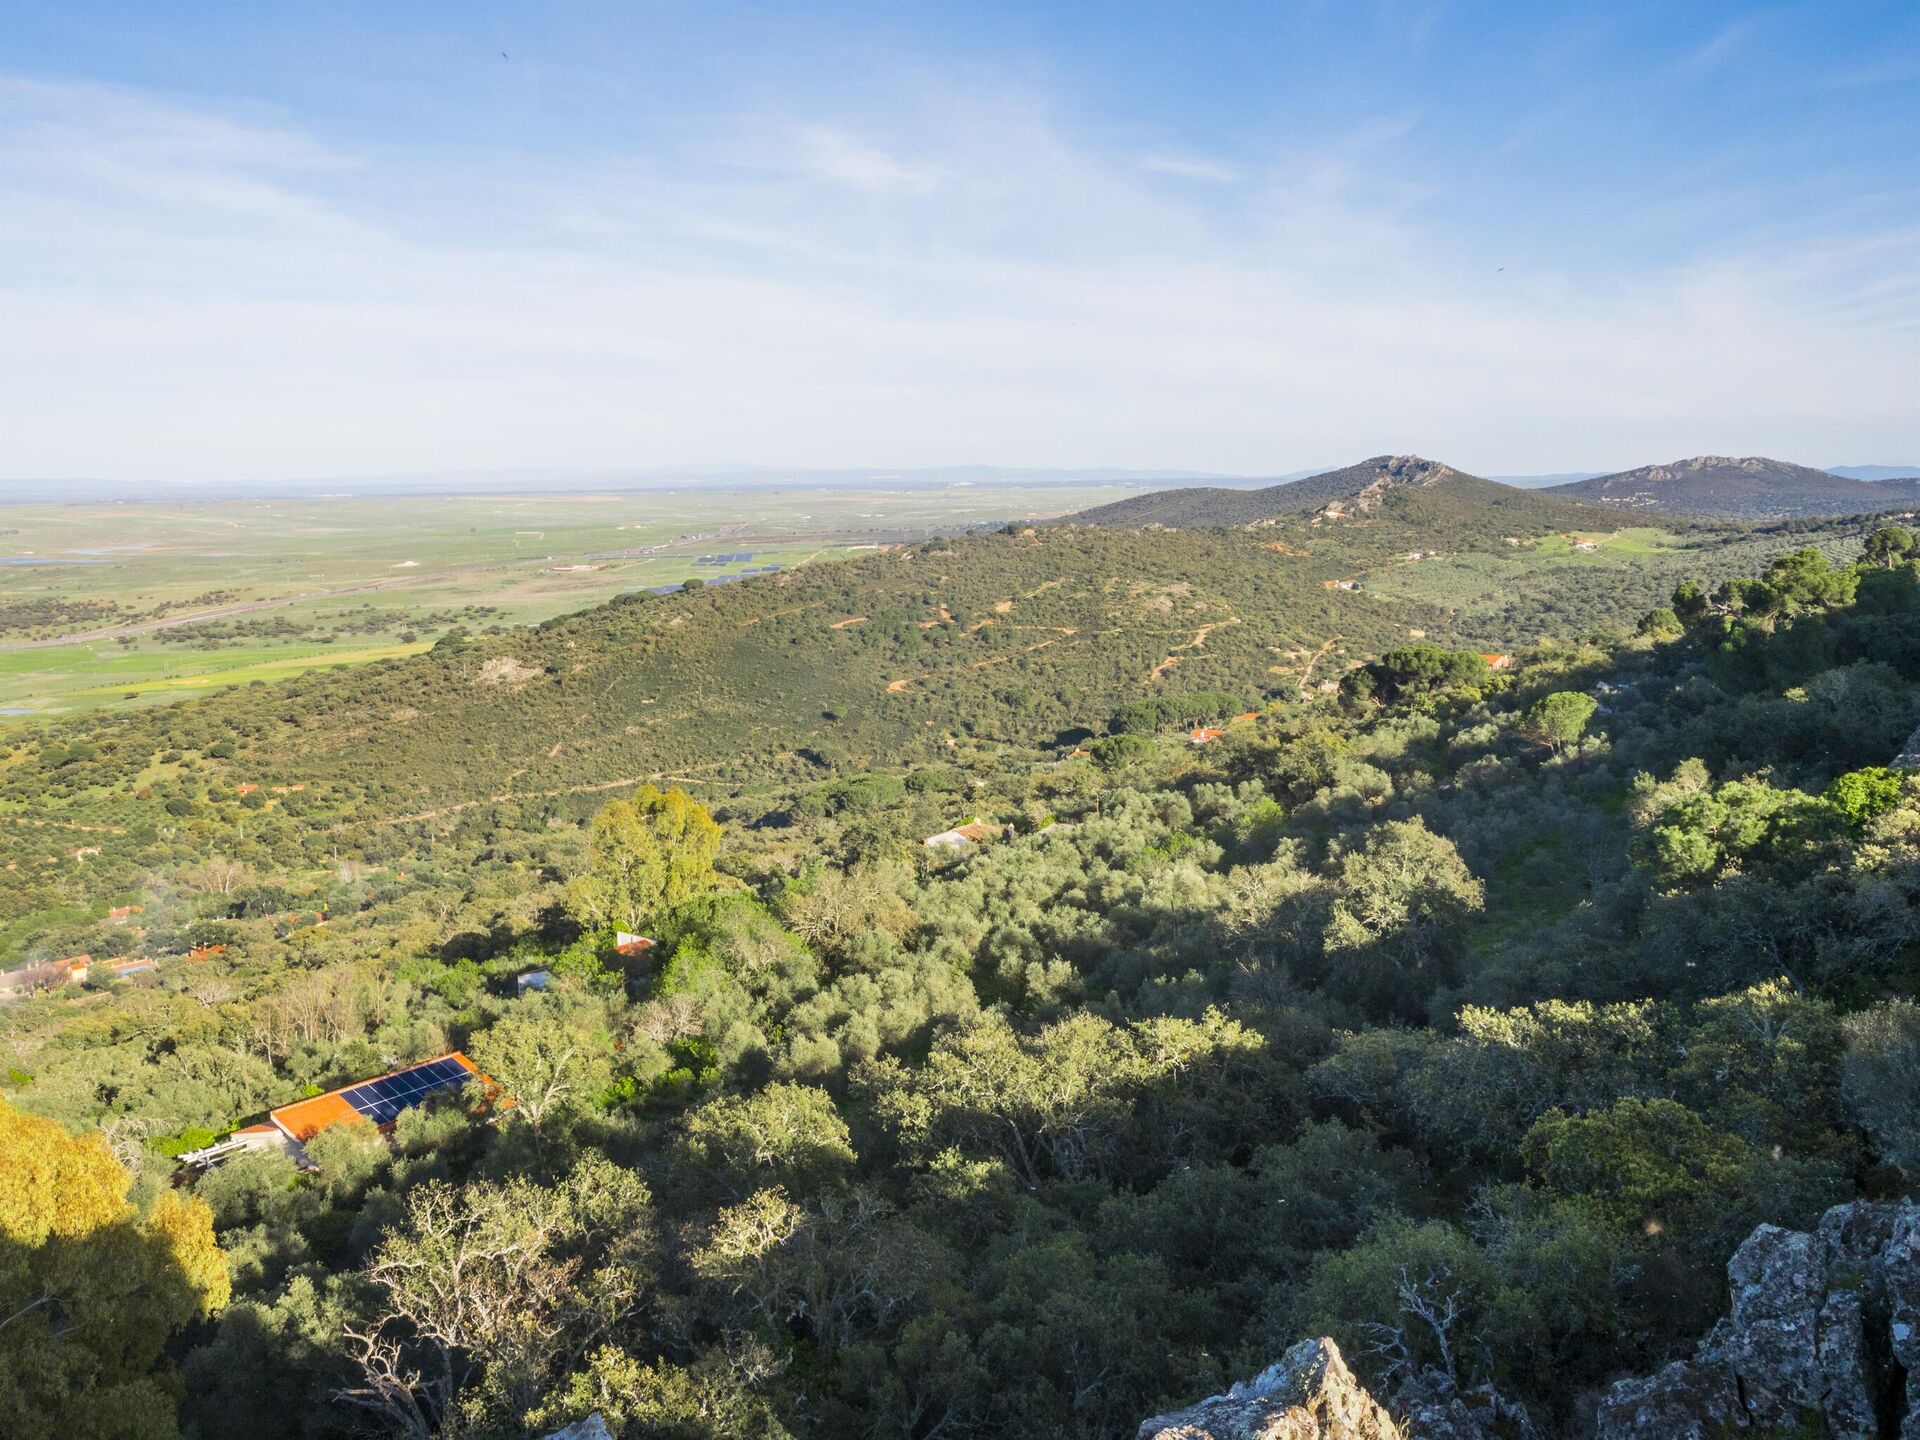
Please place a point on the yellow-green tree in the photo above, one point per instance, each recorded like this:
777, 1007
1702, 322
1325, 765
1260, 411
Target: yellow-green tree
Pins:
90, 1289
645, 855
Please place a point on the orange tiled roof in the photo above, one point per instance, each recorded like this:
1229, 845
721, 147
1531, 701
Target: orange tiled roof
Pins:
304, 1119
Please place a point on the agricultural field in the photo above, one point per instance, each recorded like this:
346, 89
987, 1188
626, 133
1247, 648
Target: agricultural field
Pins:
117, 605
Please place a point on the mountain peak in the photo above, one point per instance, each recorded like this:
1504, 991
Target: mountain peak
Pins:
1709, 464
1747, 485
1374, 478
1348, 493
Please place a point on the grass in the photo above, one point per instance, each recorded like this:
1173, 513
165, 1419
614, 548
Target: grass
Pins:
1638, 540
1628, 572
70, 679
384, 577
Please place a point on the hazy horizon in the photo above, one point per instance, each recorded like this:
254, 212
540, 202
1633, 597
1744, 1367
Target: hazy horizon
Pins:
544, 480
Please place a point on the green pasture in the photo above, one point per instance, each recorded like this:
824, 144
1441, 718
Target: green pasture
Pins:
324, 564
1485, 595
71, 678
1639, 540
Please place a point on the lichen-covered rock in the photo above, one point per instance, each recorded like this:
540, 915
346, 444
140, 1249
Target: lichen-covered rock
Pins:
1680, 1402
591, 1428
1310, 1394
1452, 1419
1821, 1324
1902, 1282
1778, 1280
1845, 1369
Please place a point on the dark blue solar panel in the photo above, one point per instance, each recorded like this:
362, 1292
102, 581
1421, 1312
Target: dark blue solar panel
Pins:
382, 1100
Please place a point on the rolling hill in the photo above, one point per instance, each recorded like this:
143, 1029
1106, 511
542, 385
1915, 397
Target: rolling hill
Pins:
1751, 486
937, 653
1407, 487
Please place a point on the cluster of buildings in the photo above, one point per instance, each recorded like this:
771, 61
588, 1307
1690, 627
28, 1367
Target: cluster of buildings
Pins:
75, 970
27, 980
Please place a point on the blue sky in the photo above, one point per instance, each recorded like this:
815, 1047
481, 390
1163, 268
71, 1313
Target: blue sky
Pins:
247, 241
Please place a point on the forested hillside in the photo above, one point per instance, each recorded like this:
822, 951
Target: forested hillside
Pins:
946, 652
1468, 1015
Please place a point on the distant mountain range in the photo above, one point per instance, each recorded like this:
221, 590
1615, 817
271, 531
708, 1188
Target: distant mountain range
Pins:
1751, 487
1386, 483
749, 477
1875, 472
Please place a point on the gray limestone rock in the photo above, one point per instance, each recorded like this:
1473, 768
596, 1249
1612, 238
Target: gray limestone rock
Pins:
591, 1428
1679, 1402
1820, 1328
1310, 1394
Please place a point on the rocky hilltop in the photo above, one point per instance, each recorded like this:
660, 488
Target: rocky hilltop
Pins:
1350, 492
1822, 1339
1750, 485
1363, 487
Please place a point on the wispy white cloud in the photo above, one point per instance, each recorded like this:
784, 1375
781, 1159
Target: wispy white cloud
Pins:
1725, 44
1191, 167
246, 301
841, 158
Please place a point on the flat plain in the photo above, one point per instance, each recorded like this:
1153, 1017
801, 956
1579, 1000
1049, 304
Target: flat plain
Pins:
115, 605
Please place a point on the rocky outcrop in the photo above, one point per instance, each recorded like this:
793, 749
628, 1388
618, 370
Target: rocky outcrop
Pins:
1909, 756
1310, 1394
591, 1428
1823, 1329
1392, 472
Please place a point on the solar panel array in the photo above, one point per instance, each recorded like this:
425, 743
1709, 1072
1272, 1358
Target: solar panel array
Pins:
383, 1099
